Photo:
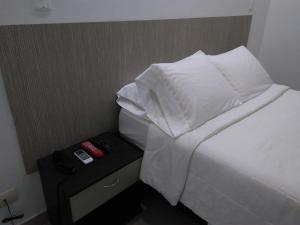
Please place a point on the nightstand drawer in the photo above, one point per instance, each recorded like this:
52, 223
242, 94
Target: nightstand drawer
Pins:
94, 196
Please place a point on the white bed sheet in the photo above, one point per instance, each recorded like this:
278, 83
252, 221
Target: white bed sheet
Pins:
243, 174
253, 166
134, 128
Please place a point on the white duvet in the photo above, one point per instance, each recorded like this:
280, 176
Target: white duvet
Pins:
240, 168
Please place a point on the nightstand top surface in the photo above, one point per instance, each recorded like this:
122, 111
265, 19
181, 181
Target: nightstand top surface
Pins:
122, 153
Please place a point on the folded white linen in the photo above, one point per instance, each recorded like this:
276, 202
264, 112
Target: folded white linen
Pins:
179, 97
166, 161
128, 98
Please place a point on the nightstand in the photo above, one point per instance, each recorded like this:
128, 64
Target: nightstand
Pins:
105, 191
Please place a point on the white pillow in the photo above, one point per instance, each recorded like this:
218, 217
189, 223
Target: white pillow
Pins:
243, 71
185, 94
128, 99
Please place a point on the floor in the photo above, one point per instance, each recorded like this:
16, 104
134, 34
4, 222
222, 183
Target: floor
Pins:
158, 211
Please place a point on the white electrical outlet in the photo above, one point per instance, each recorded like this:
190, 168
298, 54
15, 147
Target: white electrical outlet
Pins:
10, 196
43, 5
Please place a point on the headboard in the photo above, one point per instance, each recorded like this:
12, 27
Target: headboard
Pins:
61, 79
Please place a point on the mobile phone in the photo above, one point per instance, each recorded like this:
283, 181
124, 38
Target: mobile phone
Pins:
83, 156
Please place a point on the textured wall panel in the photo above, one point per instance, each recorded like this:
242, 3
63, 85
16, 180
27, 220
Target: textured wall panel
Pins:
61, 79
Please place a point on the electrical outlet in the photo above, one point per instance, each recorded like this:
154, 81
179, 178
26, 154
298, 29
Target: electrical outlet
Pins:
10, 196
43, 5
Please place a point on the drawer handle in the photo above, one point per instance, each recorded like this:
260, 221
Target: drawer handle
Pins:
113, 184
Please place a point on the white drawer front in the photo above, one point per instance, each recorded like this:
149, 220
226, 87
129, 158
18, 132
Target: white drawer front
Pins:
91, 198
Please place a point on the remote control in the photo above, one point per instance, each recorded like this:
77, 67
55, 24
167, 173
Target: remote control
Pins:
90, 148
83, 156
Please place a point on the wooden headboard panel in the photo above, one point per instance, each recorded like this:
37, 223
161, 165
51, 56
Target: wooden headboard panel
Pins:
61, 79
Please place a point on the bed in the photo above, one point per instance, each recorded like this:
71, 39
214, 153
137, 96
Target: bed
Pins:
238, 168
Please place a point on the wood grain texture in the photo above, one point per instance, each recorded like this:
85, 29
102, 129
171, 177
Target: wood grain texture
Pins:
61, 79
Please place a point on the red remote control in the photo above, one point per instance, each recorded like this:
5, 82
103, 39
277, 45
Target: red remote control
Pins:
94, 151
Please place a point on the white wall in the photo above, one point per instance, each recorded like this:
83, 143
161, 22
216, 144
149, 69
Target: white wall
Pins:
260, 11
280, 50
12, 173
21, 12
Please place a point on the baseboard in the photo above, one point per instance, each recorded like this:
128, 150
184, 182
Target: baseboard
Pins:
41, 219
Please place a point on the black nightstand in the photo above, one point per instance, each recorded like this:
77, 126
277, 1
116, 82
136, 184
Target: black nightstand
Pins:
105, 191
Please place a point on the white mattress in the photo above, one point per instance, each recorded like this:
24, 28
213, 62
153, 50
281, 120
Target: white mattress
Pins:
134, 128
